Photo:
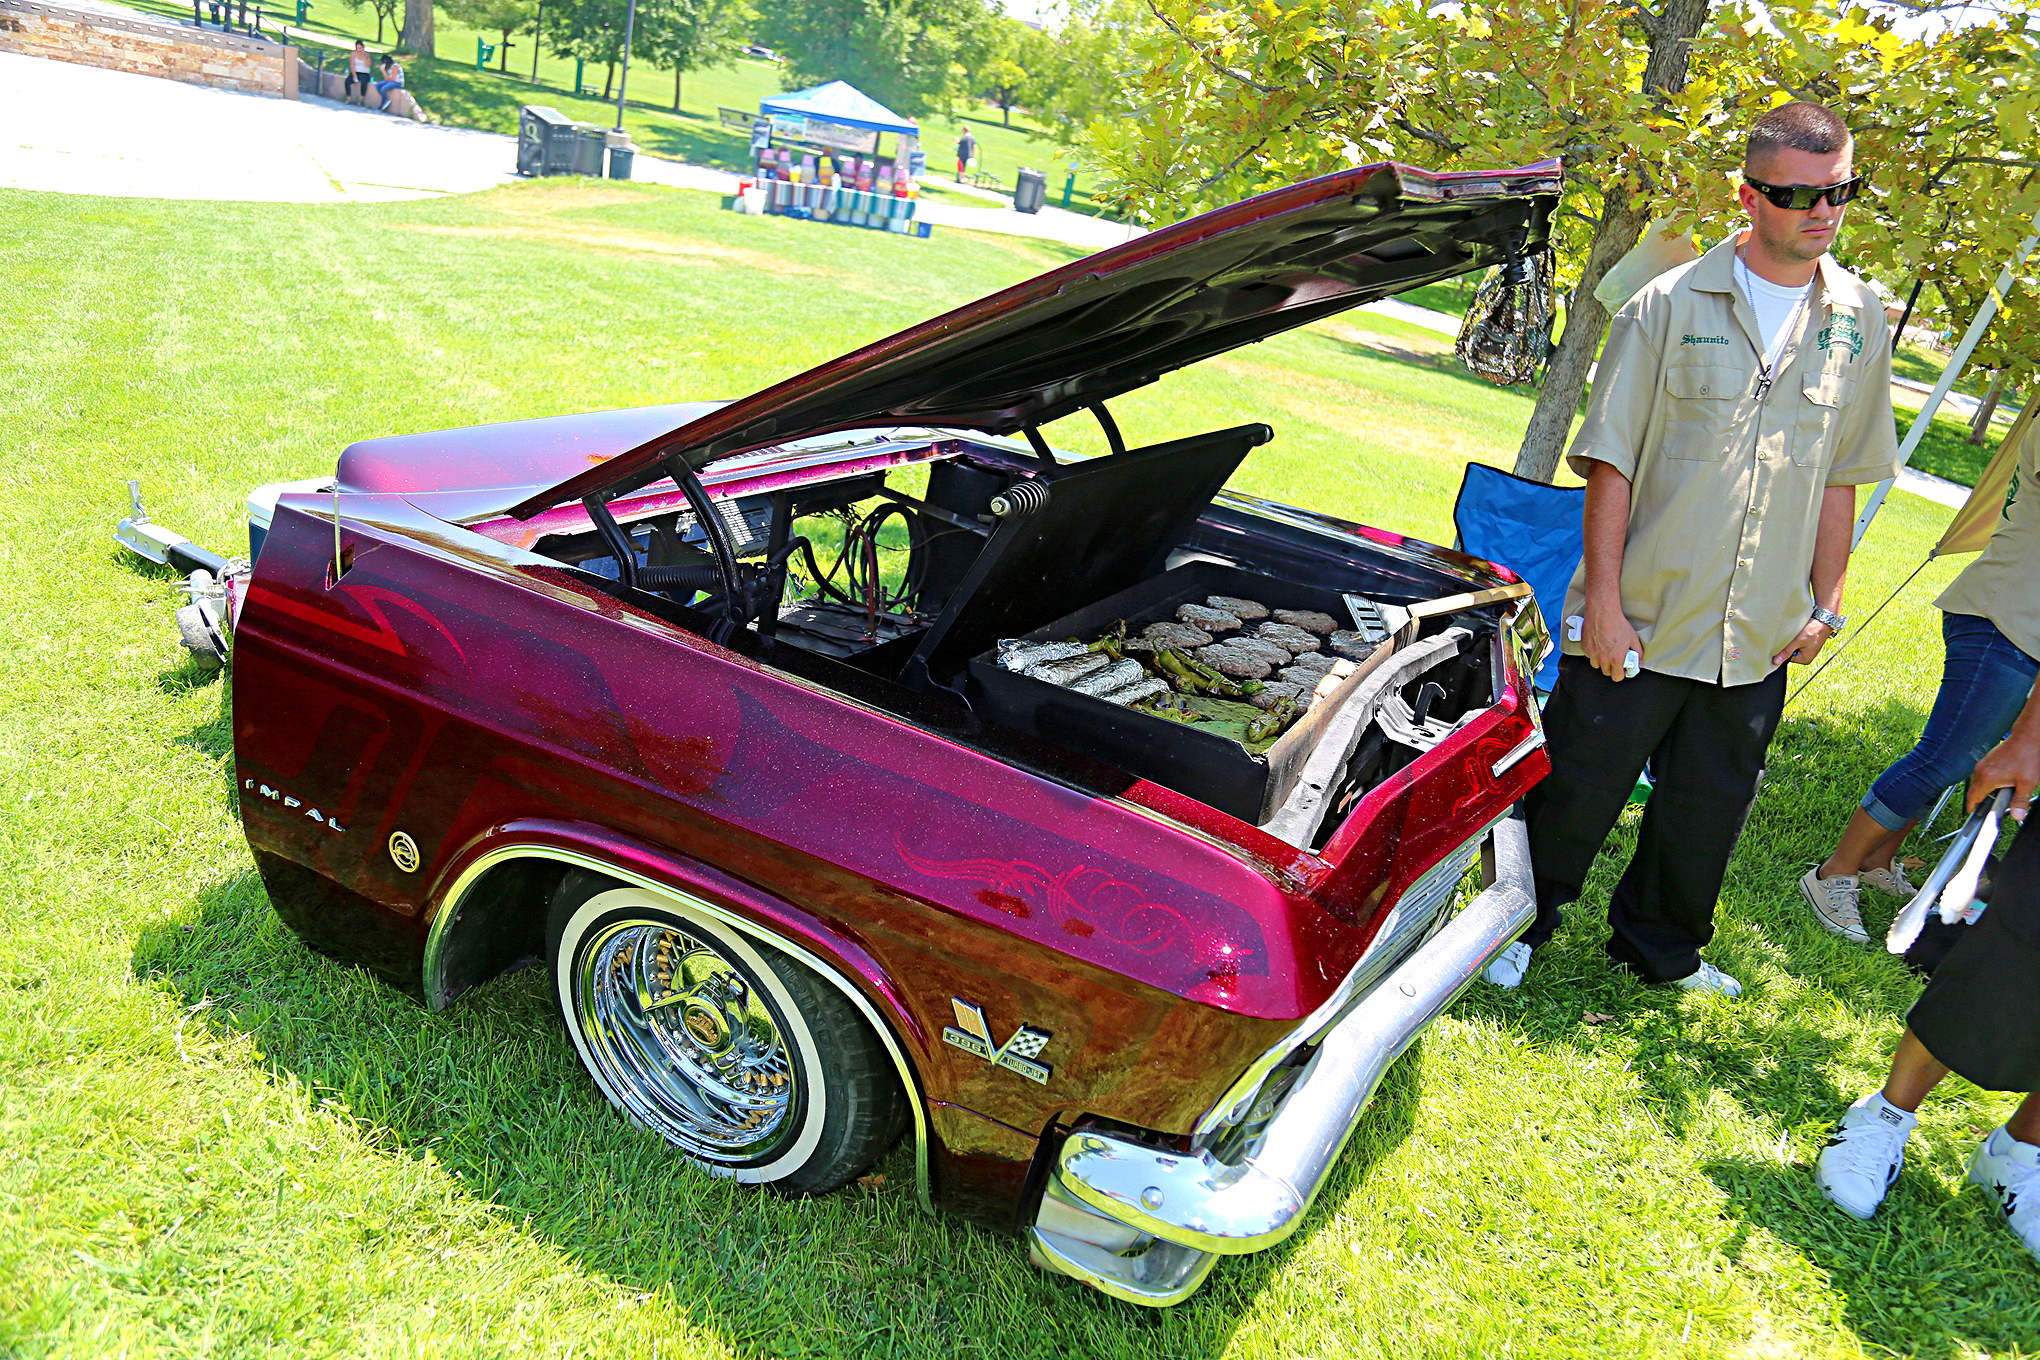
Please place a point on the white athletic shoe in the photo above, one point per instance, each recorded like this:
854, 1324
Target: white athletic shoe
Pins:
1508, 967
1837, 904
1708, 978
1889, 878
2009, 1171
1864, 1154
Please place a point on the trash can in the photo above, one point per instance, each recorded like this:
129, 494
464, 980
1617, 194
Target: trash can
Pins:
546, 140
1030, 191
588, 142
621, 153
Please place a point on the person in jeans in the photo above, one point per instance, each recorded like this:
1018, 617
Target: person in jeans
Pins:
355, 91
1979, 1016
1740, 401
1990, 625
393, 79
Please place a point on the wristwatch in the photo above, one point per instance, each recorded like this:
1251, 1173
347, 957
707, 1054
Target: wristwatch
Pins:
1833, 620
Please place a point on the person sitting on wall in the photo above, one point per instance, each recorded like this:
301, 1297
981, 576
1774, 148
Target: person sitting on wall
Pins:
355, 91
393, 79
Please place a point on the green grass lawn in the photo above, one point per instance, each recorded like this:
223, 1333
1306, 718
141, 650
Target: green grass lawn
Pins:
214, 1142
1944, 449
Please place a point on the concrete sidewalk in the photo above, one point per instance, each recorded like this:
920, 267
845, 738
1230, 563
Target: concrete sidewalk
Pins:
75, 129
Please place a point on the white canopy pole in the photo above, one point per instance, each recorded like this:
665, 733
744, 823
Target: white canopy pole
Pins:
1956, 363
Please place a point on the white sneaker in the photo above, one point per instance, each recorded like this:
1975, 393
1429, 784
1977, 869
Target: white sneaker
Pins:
1708, 978
1864, 1154
2009, 1171
1889, 878
1507, 968
1837, 904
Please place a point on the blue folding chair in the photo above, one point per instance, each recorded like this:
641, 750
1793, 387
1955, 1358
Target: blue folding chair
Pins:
1533, 529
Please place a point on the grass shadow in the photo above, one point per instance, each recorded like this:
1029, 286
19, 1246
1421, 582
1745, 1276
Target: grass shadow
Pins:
1934, 1275
492, 1092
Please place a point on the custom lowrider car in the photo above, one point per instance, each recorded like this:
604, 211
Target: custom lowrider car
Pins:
823, 857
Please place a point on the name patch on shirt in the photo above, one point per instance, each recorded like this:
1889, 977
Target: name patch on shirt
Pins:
1842, 332
1691, 339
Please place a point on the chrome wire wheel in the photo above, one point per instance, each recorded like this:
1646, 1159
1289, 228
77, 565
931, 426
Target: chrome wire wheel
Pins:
686, 1041
751, 1063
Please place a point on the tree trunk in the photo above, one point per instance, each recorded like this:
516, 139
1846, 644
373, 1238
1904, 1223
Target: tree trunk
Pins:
378, 29
609, 81
1006, 114
503, 54
1623, 218
676, 89
1565, 378
1987, 408
416, 36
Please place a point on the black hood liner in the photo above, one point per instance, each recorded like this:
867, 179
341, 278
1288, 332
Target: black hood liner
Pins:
1122, 318
1107, 523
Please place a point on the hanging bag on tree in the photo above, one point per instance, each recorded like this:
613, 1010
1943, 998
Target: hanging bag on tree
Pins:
1508, 327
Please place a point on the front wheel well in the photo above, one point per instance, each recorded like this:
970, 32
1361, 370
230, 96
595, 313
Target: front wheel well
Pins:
497, 925
508, 917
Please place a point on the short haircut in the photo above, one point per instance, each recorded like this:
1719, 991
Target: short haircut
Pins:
1800, 126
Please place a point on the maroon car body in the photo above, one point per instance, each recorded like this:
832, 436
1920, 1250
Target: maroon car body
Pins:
453, 692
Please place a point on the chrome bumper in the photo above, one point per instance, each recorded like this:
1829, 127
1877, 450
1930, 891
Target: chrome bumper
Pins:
1107, 1195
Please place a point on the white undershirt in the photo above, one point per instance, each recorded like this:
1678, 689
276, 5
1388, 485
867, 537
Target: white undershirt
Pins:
1774, 306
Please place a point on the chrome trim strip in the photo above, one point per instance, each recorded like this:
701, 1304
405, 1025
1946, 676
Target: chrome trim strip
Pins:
1533, 742
449, 911
1329, 1012
1204, 1205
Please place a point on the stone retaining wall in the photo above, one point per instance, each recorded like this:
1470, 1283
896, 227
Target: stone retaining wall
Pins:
195, 55
332, 84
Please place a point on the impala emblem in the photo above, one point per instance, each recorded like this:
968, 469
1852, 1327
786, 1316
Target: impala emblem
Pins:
973, 1035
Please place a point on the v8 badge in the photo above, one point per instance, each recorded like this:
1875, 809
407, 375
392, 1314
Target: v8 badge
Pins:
973, 1035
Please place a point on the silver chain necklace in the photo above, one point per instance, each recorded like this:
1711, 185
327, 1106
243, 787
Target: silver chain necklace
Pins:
1765, 375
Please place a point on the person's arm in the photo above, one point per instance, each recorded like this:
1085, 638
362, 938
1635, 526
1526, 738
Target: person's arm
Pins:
1605, 635
1830, 568
2013, 763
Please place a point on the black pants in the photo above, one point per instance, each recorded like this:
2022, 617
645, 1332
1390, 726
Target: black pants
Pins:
1981, 1012
1706, 744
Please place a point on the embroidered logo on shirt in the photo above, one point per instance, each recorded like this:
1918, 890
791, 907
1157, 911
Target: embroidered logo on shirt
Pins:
1691, 339
1842, 332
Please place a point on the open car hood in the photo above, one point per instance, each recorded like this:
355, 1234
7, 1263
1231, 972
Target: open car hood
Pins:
1123, 317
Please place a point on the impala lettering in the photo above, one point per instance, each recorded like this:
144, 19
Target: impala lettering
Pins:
293, 804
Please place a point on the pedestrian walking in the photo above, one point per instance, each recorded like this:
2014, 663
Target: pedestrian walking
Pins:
966, 154
1739, 402
1979, 1016
1990, 628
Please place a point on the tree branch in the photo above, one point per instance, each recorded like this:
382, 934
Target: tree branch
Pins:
1437, 139
1225, 71
1944, 166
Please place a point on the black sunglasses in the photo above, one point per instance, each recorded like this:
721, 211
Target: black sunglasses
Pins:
1800, 197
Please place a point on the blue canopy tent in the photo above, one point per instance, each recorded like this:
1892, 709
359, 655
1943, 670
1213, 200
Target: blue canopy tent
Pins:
839, 102
836, 115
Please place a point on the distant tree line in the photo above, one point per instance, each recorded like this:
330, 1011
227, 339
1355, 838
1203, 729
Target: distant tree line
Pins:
916, 56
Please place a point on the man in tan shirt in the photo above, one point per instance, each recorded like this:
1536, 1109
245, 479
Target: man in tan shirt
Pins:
1739, 402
